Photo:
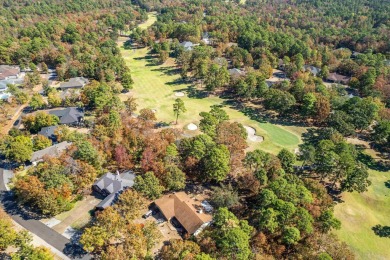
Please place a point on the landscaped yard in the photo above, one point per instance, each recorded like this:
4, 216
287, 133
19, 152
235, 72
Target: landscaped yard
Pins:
360, 212
155, 87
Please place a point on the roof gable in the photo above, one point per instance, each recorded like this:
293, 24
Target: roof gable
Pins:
180, 206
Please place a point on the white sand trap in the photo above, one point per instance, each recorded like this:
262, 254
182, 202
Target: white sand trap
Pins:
252, 135
192, 127
179, 94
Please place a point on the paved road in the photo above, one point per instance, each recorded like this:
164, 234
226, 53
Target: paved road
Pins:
33, 225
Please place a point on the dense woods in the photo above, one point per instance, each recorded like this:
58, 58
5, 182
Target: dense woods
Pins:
54, 34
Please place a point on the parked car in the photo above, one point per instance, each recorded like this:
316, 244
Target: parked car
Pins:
147, 214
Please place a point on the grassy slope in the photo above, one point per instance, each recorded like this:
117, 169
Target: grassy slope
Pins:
360, 213
155, 86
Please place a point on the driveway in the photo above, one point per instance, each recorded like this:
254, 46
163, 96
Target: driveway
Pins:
32, 224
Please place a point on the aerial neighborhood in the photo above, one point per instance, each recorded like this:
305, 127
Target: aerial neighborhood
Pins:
179, 130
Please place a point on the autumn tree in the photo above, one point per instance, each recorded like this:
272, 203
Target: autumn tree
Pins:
287, 160
179, 249
41, 142
148, 185
174, 178
34, 123
18, 149
178, 108
131, 105
216, 163
225, 196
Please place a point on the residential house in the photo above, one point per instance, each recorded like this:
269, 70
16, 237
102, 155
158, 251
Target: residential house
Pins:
49, 132
188, 46
235, 73
181, 207
206, 38
9, 72
75, 83
53, 151
231, 44
312, 69
111, 185
9, 75
72, 116
338, 78
355, 54
221, 61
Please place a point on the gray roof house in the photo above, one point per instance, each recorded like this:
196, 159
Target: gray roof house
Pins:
236, 72
111, 185
221, 61
312, 69
69, 116
53, 151
78, 82
206, 38
49, 132
188, 46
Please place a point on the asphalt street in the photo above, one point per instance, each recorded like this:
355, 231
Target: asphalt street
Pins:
32, 224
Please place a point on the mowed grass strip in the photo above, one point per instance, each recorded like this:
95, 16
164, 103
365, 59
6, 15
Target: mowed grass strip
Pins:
360, 212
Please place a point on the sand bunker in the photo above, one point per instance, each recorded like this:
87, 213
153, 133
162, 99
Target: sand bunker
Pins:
192, 127
179, 94
252, 135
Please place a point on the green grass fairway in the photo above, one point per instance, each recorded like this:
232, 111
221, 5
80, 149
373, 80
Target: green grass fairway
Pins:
360, 213
155, 87
152, 17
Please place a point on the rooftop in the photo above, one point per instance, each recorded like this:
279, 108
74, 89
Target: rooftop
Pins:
8, 71
110, 184
312, 69
77, 82
70, 115
236, 72
181, 206
53, 151
48, 131
335, 77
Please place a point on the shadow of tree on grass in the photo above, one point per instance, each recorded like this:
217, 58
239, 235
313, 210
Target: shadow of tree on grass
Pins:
382, 231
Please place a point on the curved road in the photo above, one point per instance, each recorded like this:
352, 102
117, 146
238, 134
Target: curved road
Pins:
33, 225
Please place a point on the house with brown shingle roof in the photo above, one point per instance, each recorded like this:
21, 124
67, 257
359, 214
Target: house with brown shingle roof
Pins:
181, 207
9, 72
338, 78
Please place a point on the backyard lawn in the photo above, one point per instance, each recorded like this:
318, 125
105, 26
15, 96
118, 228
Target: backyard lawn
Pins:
360, 212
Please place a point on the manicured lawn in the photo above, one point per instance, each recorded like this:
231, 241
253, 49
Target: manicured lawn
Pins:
152, 17
155, 87
360, 212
